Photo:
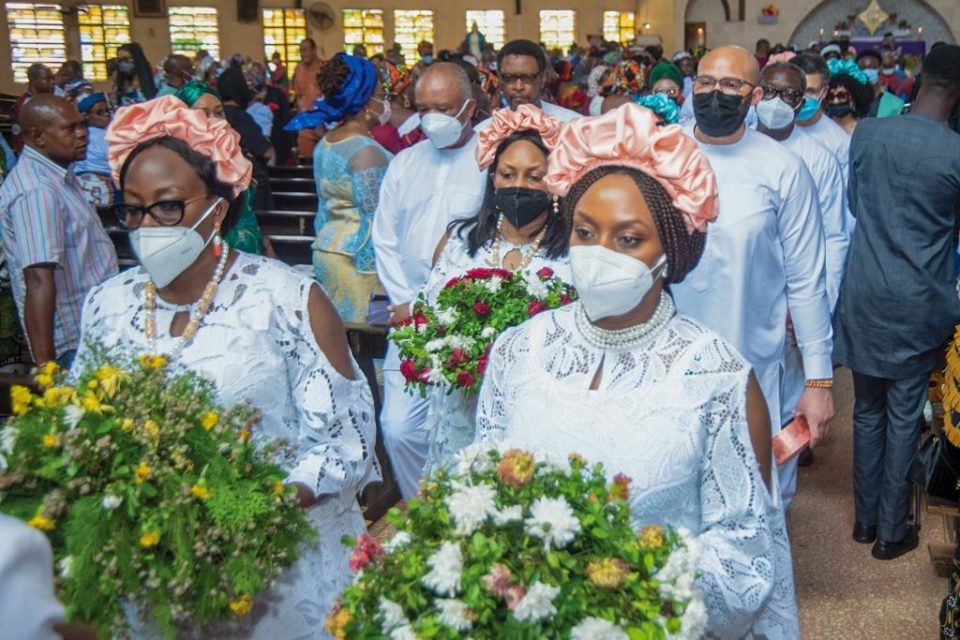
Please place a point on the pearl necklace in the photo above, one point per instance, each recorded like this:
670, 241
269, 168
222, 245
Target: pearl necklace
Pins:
203, 305
524, 258
631, 337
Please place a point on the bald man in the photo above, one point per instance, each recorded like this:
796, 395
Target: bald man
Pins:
425, 188
766, 253
55, 246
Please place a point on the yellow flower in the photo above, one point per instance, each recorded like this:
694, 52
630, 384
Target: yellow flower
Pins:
152, 429
109, 379
141, 473
651, 538
209, 420
41, 522
244, 435
126, 425
91, 403
151, 362
336, 623
608, 573
44, 381
242, 606
278, 488
516, 468
51, 440
93, 384
200, 492
55, 397
45, 374
20, 398
577, 459
149, 539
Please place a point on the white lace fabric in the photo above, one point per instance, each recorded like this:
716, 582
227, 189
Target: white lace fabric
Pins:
256, 344
671, 415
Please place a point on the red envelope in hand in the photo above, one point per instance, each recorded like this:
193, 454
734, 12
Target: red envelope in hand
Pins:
791, 441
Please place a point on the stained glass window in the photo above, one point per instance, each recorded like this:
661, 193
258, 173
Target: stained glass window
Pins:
36, 35
558, 28
103, 28
363, 26
619, 26
192, 29
283, 31
410, 28
491, 25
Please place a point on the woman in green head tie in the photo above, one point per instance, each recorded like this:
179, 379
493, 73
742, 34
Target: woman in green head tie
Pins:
245, 235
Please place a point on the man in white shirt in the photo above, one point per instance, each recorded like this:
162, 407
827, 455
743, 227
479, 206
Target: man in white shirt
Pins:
815, 122
426, 187
522, 67
783, 88
766, 250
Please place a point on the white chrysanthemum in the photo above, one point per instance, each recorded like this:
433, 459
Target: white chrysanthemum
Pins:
399, 540
111, 502
460, 342
391, 615
508, 514
64, 567
535, 286
678, 576
435, 345
8, 439
447, 316
470, 505
473, 457
553, 521
453, 613
493, 284
537, 603
403, 633
488, 332
435, 376
597, 629
72, 415
693, 622
445, 568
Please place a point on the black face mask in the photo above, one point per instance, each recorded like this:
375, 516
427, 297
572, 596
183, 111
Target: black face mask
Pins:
718, 114
520, 205
838, 109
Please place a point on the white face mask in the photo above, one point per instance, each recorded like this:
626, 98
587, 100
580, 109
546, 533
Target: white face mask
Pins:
775, 114
166, 252
384, 116
609, 283
443, 130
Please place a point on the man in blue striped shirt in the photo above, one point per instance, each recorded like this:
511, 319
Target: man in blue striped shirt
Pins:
55, 246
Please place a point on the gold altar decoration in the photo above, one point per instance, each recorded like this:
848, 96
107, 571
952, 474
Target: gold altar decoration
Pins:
873, 16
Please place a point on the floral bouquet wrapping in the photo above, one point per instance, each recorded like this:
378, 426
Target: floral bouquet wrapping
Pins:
448, 344
514, 545
152, 496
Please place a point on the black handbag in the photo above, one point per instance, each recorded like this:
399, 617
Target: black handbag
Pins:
936, 468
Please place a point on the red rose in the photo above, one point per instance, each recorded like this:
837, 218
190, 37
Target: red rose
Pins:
565, 299
452, 282
502, 273
419, 319
481, 308
465, 379
546, 273
458, 356
409, 370
482, 364
536, 307
406, 322
480, 274
424, 376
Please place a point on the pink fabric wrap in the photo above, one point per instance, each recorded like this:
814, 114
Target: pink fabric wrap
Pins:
506, 122
777, 58
629, 136
169, 116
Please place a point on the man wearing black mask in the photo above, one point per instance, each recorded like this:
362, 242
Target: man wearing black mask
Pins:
766, 253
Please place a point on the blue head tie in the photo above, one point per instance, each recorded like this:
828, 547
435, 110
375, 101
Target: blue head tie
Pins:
665, 108
353, 96
86, 103
847, 67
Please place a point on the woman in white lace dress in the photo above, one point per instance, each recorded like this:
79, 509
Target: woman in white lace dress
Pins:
259, 330
518, 228
621, 378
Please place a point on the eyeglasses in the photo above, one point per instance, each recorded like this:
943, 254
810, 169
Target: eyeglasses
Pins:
838, 96
525, 78
729, 86
167, 213
791, 96
670, 93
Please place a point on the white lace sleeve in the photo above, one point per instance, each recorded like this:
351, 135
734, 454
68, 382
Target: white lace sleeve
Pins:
337, 431
737, 561
495, 401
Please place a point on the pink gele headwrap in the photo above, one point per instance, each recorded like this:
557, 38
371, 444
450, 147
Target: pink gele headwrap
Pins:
629, 136
505, 123
169, 116
786, 56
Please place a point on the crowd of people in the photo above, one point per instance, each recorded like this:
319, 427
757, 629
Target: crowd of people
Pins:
735, 223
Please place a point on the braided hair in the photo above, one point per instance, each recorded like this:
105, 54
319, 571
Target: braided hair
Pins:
333, 73
683, 250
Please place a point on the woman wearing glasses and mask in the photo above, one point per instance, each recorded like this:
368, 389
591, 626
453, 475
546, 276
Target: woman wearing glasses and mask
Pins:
620, 378
518, 228
850, 94
348, 166
260, 331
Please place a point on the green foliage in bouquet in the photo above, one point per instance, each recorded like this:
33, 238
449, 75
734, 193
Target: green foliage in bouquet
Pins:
150, 494
510, 544
448, 344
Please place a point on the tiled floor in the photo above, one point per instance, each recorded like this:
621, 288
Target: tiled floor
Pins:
843, 592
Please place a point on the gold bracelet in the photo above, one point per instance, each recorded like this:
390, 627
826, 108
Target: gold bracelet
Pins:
822, 383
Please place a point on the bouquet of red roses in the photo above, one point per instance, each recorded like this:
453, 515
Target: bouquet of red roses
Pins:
447, 344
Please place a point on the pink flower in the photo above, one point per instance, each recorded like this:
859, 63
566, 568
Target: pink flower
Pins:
513, 596
536, 307
409, 370
465, 379
546, 273
498, 580
481, 308
365, 551
424, 376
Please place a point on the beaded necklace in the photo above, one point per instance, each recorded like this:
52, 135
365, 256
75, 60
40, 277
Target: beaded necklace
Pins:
631, 337
525, 258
